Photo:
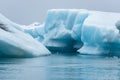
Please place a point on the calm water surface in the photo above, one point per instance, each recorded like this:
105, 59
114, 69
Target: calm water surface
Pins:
60, 67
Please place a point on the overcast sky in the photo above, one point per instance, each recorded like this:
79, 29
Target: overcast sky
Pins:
29, 11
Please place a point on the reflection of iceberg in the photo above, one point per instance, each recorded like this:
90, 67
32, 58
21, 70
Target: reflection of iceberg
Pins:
15, 43
70, 29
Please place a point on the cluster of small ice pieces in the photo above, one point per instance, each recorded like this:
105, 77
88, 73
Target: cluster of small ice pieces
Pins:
64, 30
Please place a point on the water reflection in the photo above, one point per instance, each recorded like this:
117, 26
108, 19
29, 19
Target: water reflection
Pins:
61, 67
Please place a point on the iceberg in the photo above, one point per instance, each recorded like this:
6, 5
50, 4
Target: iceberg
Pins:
15, 43
81, 30
100, 34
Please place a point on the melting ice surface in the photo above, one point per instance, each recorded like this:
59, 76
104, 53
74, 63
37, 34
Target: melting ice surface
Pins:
85, 31
15, 43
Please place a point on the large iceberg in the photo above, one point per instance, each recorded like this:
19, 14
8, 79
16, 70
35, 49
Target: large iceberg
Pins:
65, 30
85, 31
15, 43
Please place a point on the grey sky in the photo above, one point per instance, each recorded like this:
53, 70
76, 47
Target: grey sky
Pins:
29, 11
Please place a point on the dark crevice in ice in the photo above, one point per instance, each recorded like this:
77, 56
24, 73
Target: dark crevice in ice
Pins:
2, 26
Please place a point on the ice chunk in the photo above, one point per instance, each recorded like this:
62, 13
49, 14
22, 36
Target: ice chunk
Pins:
15, 43
99, 33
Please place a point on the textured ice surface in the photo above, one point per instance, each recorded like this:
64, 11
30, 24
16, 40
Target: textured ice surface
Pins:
15, 43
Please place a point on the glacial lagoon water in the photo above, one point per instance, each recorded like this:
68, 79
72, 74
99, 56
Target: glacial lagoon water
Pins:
60, 67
